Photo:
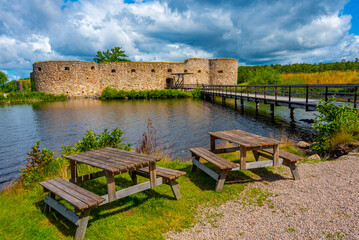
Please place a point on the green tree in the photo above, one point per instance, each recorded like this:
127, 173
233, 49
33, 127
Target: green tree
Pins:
3, 79
113, 55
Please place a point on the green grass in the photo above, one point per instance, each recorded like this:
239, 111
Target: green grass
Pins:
30, 96
146, 215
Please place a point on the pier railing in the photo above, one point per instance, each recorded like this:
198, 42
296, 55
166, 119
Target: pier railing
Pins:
289, 93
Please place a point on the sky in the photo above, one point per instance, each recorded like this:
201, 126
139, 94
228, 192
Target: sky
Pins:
255, 32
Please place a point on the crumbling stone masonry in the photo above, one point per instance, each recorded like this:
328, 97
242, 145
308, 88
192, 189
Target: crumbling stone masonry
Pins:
85, 79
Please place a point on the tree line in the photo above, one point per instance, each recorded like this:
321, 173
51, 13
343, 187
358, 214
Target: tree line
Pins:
247, 72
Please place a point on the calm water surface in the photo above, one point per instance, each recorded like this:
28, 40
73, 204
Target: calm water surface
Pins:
180, 124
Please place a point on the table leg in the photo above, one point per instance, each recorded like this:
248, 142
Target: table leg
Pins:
74, 174
213, 143
256, 155
111, 187
153, 176
275, 155
243, 157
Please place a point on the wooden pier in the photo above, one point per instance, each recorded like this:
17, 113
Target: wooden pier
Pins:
292, 96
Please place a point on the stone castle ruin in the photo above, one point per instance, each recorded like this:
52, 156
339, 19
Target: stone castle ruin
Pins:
86, 79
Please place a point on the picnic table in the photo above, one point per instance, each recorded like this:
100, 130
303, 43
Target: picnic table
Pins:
246, 142
259, 145
110, 161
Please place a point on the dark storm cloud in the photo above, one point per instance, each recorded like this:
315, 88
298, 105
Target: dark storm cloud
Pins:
255, 32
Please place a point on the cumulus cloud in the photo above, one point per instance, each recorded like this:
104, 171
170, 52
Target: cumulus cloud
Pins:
255, 32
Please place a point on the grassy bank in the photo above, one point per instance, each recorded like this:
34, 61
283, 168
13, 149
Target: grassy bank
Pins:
113, 93
30, 96
145, 215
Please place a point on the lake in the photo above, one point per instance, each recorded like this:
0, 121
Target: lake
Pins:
179, 123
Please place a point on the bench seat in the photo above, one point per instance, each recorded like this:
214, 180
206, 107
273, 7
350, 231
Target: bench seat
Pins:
213, 158
222, 165
168, 175
285, 155
78, 197
289, 159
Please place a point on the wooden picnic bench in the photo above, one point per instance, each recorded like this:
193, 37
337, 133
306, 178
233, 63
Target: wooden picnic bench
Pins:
80, 198
112, 162
168, 176
222, 165
288, 159
259, 145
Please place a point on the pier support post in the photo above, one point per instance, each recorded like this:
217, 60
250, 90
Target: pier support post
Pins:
242, 105
257, 106
224, 101
272, 110
235, 103
292, 110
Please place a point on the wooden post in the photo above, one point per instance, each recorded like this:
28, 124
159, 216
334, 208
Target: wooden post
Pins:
256, 155
152, 168
133, 176
221, 180
194, 167
294, 169
275, 93
272, 109
82, 224
111, 187
235, 103
326, 93
355, 97
47, 208
257, 106
306, 98
292, 110
224, 101
243, 157
73, 170
213, 143
175, 189
276, 155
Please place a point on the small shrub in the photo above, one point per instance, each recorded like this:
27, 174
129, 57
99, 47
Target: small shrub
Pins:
93, 141
36, 163
333, 124
197, 93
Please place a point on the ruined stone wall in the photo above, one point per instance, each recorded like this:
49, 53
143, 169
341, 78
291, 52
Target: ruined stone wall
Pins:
73, 78
80, 79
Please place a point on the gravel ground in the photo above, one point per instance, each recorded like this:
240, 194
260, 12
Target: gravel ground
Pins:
324, 204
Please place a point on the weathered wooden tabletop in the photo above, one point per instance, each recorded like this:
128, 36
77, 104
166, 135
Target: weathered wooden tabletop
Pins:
245, 141
243, 138
113, 161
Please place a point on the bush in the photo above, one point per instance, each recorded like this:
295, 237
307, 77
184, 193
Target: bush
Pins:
197, 93
93, 141
112, 93
36, 163
333, 123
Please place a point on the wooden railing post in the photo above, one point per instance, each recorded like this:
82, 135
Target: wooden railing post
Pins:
326, 93
275, 92
264, 91
290, 94
355, 97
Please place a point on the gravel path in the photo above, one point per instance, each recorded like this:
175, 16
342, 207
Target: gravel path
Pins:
324, 204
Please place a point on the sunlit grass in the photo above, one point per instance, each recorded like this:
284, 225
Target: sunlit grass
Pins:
329, 77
